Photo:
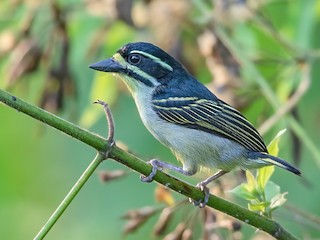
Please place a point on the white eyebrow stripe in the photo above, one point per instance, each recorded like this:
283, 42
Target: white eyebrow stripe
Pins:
135, 69
155, 59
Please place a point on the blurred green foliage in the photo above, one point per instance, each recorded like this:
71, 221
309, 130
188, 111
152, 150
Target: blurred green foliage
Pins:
264, 66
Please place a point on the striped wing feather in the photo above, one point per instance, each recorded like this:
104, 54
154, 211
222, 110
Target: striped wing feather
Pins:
214, 117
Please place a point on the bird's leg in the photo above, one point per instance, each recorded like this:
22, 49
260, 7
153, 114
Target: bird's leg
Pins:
203, 187
159, 165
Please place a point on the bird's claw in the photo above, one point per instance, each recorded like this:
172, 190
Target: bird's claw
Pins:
152, 174
147, 178
202, 202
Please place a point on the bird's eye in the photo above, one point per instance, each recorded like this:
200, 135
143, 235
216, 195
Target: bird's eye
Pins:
134, 59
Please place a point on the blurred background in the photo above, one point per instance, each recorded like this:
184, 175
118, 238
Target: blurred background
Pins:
261, 57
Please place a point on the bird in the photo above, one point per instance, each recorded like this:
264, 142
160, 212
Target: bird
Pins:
201, 130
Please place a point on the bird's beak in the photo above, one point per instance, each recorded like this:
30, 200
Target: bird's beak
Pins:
108, 65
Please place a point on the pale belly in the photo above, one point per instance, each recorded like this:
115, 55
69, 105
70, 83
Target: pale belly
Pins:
197, 149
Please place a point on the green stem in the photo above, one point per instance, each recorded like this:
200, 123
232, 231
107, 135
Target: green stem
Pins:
313, 148
70, 196
267, 91
121, 156
246, 64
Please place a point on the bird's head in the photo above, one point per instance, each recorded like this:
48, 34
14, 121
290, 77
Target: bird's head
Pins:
140, 65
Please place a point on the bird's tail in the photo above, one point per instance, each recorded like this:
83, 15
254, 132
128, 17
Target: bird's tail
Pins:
275, 161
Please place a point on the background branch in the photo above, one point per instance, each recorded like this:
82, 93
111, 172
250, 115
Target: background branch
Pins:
267, 91
101, 145
291, 102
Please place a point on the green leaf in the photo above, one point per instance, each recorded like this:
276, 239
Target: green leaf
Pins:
278, 200
252, 182
258, 206
273, 147
264, 173
242, 192
271, 190
317, 8
263, 176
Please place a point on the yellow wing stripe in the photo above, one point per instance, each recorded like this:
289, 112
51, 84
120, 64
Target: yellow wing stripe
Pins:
209, 116
216, 129
207, 108
167, 117
174, 99
238, 135
214, 116
181, 118
249, 133
249, 139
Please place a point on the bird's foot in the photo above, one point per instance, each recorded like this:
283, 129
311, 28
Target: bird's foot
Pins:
155, 167
202, 202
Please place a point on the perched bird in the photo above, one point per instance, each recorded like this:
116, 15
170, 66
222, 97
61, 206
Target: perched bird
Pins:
201, 130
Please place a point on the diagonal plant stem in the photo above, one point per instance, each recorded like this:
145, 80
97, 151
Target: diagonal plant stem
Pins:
267, 91
84, 177
121, 156
70, 196
291, 102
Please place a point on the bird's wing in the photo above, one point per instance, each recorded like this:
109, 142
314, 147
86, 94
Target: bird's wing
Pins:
211, 116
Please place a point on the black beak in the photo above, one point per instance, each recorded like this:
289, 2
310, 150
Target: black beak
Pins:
107, 65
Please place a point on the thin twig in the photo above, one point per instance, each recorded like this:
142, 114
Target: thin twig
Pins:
269, 29
84, 177
304, 215
110, 120
292, 101
267, 91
